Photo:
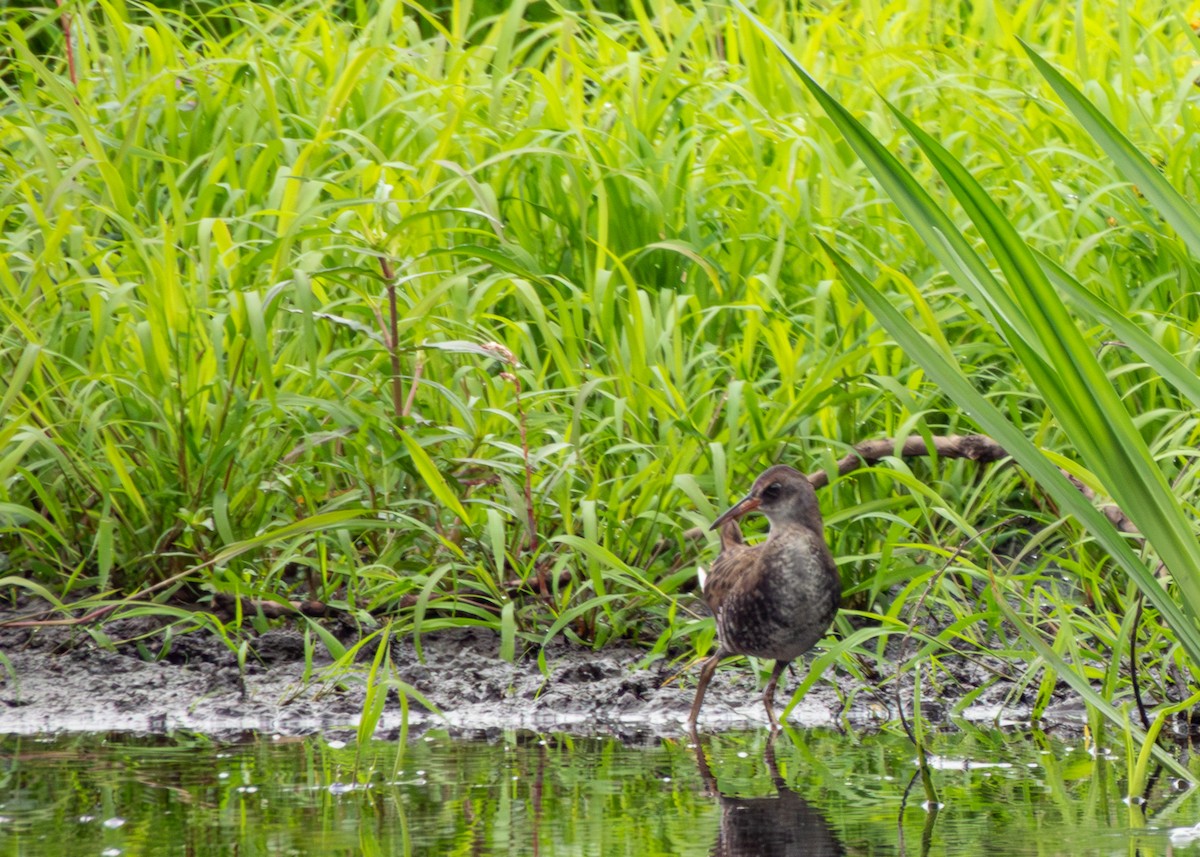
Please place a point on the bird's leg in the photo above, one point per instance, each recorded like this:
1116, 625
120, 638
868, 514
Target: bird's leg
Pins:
769, 693
706, 674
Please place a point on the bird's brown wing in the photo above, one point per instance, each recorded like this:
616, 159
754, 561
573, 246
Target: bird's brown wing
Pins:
731, 542
729, 565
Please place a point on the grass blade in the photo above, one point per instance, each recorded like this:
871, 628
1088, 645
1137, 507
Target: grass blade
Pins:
930, 221
1036, 325
434, 480
1076, 387
1129, 160
1127, 331
1083, 687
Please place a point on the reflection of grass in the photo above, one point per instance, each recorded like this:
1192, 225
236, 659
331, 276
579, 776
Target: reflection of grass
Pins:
569, 795
200, 244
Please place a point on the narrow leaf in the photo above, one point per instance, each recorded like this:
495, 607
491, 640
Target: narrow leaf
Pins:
1127, 331
433, 477
925, 215
1129, 160
1080, 685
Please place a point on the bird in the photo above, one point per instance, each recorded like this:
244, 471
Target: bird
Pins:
775, 599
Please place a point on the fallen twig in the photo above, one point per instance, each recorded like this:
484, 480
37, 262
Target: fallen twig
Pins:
975, 447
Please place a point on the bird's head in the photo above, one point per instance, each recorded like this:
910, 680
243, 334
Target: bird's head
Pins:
784, 495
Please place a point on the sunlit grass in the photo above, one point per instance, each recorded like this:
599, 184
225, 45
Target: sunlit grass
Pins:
196, 241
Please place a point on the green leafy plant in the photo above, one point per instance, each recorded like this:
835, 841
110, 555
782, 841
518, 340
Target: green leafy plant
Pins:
472, 318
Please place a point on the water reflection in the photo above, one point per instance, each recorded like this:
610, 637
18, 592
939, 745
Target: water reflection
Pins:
812, 792
782, 825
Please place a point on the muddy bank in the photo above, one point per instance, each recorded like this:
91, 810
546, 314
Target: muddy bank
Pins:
57, 681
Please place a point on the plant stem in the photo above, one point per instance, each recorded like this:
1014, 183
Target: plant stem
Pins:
393, 340
68, 45
530, 519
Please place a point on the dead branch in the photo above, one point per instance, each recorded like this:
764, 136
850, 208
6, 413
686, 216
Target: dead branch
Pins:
68, 44
1111, 511
973, 447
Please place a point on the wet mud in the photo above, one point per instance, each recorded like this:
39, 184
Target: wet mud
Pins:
58, 680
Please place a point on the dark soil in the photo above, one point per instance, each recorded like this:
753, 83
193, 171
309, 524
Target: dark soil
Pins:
60, 680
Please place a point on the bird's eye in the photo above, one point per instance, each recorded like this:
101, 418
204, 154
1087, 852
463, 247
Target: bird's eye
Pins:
772, 491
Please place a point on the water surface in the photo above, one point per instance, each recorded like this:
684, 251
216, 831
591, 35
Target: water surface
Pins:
817, 793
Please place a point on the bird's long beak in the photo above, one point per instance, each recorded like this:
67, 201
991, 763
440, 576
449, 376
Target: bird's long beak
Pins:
741, 507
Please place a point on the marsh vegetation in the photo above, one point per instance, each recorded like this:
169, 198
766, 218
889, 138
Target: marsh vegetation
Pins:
468, 316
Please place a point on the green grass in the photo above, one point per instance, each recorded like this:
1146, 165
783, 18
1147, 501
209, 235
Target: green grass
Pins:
207, 243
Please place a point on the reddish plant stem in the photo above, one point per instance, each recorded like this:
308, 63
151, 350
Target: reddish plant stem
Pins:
65, 20
531, 520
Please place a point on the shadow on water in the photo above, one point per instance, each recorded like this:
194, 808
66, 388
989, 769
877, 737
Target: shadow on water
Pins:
783, 825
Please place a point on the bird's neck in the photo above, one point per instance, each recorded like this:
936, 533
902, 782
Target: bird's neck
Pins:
790, 528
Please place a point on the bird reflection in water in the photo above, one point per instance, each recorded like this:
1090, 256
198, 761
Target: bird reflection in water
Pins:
783, 825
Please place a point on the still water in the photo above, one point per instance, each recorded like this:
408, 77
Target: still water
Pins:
524, 793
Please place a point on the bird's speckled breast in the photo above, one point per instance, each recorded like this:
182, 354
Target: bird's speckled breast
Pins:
792, 604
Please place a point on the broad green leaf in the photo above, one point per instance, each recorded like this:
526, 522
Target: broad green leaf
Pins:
16, 381
117, 461
33, 587
508, 632
335, 647
320, 521
605, 557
